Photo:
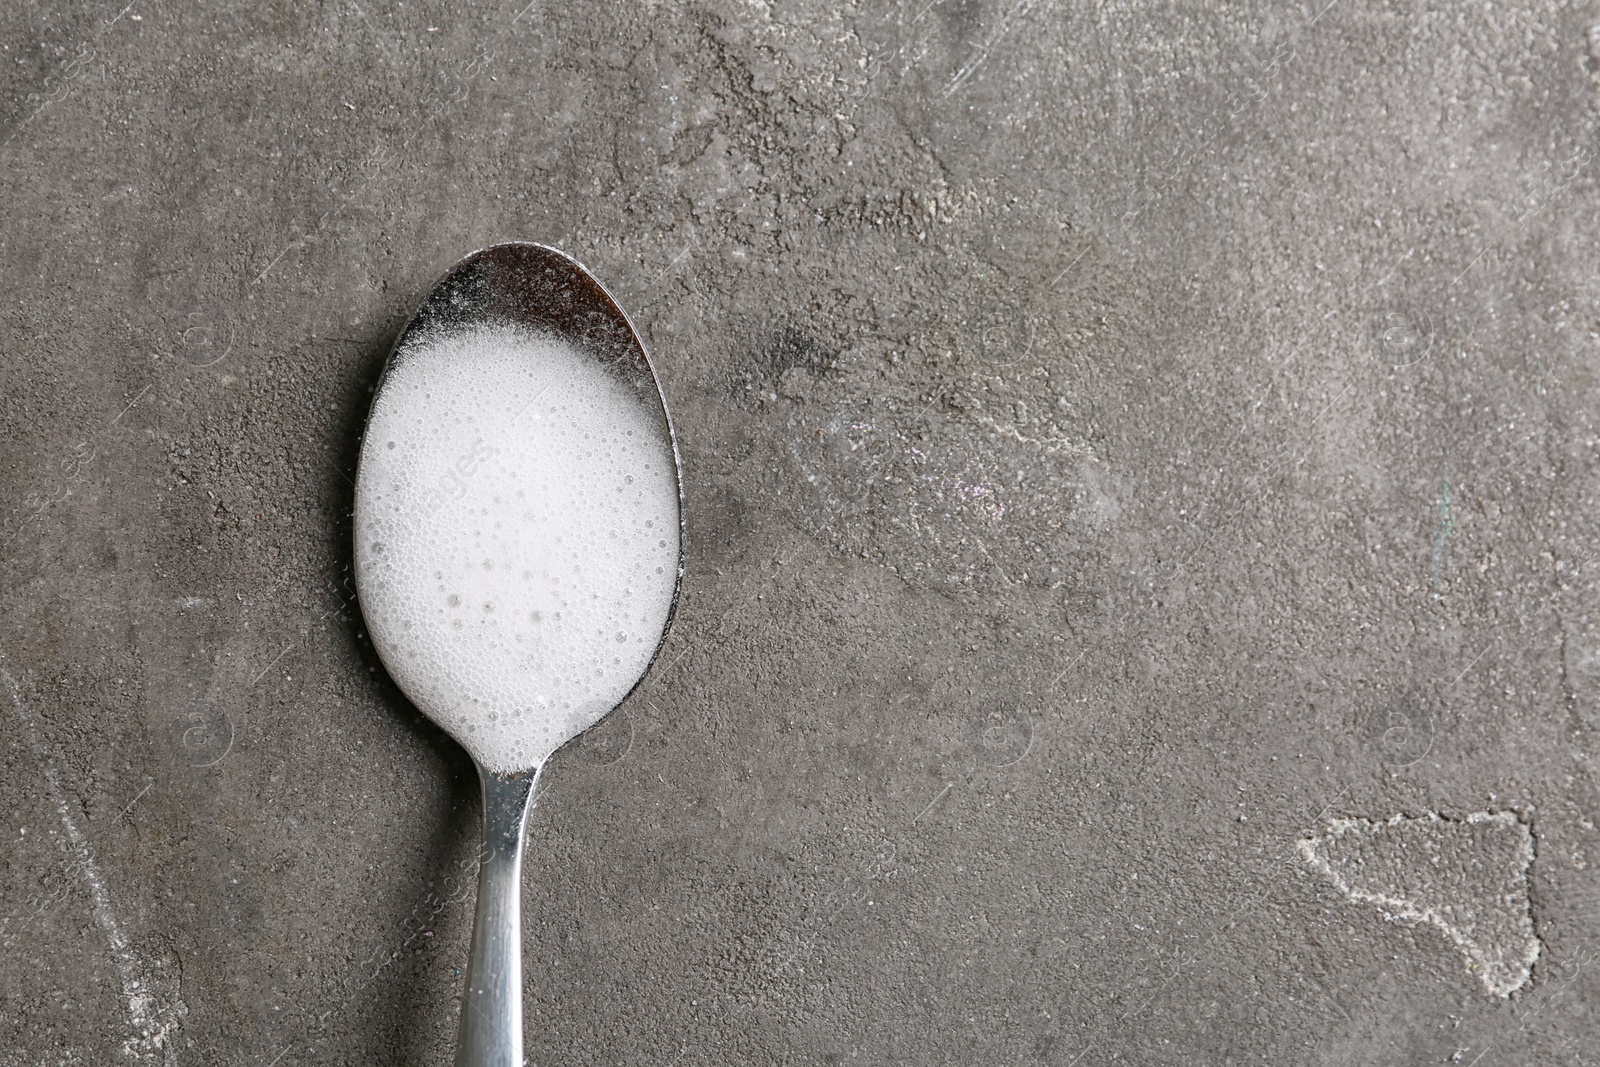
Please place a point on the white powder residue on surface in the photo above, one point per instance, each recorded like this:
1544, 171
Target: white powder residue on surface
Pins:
1467, 877
516, 538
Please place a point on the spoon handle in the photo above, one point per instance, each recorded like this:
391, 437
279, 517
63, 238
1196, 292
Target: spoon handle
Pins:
491, 1006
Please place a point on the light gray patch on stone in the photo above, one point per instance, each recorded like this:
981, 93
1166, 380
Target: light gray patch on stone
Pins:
1468, 877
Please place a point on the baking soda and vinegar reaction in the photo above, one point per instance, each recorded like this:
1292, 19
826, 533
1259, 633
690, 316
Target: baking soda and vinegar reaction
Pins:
517, 536
518, 548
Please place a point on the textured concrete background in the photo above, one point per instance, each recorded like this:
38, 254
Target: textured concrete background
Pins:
1142, 475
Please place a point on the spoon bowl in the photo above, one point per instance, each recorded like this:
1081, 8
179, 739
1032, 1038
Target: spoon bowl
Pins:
518, 549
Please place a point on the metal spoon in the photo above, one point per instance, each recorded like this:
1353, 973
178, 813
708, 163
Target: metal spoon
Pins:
542, 289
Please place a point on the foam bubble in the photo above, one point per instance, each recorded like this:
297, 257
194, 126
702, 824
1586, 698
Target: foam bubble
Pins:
508, 532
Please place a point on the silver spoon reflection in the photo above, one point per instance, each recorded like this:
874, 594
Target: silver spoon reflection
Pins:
518, 550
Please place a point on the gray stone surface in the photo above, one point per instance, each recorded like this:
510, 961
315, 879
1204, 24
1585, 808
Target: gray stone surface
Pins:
1120, 440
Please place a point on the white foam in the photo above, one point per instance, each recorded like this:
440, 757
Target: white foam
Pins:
516, 536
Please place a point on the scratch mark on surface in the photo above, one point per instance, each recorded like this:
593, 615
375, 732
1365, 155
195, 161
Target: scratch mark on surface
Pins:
1054, 281
269, 666
948, 786
134, 801
1332, 402
1321, 13
151, 1031
268, 268
121, 13
1018, 11
678, 259
1469, 666
132, 402
1057, 679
